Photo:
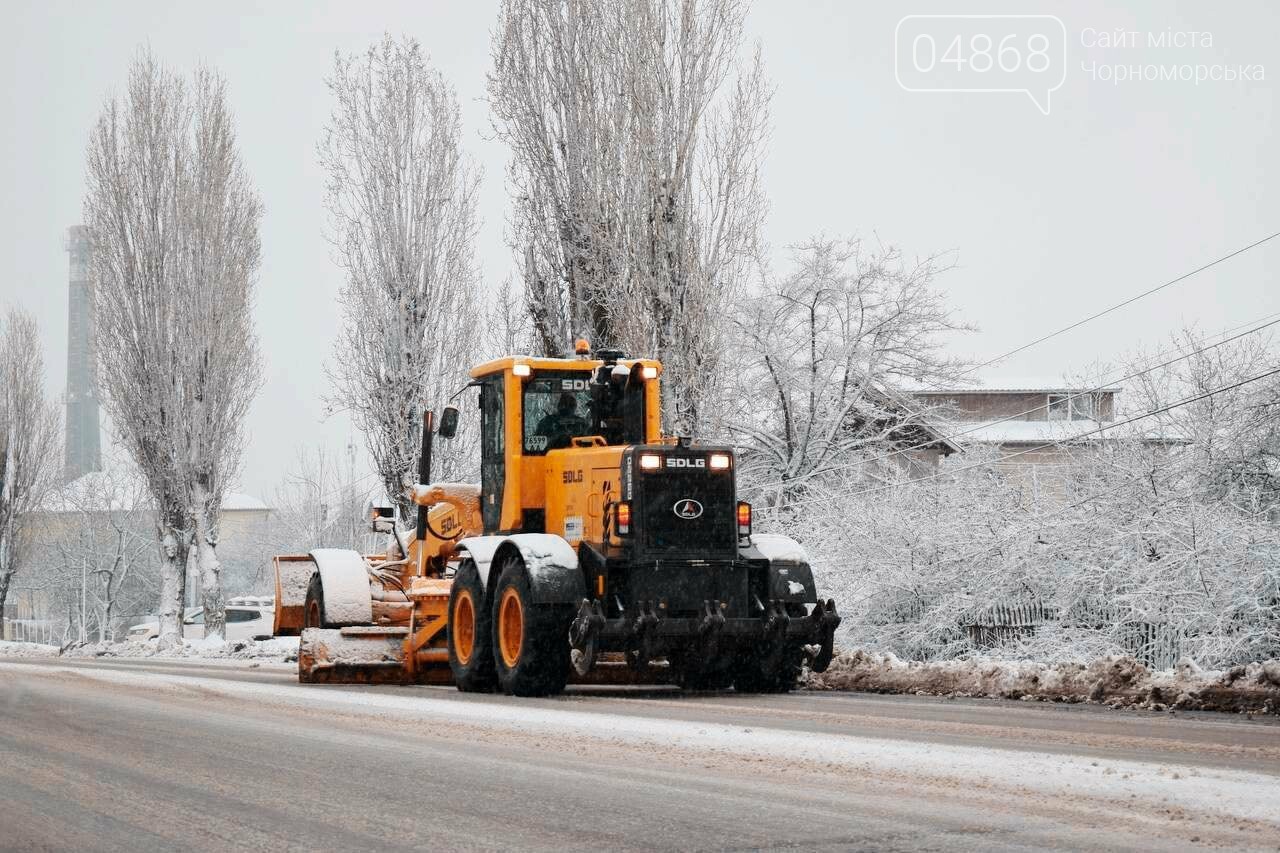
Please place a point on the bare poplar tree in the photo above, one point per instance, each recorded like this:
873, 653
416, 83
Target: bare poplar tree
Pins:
219, 365
175, 229
28, 439
402, 199
637, 136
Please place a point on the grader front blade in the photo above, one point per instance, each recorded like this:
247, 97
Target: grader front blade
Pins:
407, 646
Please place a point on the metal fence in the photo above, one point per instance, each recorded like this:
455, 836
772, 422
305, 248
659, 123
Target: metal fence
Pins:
1004, 622
31, 631
1156, 644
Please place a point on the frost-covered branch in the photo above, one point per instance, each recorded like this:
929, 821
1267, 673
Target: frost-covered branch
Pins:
1156, 542
823, 354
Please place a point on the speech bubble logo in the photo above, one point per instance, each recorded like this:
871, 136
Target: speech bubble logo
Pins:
982, 53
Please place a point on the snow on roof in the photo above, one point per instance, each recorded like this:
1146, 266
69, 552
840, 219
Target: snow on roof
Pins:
1023, 386
1041, 389
98, 491
1011, 385
1049, 432
236, 501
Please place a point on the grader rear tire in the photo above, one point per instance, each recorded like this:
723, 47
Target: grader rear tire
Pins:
530, 641
312, 617
470, 632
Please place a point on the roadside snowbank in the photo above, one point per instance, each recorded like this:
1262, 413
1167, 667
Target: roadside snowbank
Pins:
1120, 682
283, 649
10, 649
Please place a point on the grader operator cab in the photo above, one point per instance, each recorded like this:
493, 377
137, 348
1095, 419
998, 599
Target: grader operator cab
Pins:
593, 549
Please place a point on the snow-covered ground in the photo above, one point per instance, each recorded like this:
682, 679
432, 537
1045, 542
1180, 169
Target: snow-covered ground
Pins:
1120, 682
1202, 793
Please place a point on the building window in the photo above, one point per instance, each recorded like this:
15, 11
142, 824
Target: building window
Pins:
1084, 407
1075, 407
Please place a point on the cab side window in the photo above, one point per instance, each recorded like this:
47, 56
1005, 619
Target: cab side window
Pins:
492, 453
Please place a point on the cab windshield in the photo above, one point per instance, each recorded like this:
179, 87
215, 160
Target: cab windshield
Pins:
559, 407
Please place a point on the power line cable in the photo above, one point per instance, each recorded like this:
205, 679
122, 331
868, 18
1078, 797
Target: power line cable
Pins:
1119, 305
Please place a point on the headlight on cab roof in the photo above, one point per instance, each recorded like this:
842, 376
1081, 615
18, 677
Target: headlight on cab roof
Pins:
719, 461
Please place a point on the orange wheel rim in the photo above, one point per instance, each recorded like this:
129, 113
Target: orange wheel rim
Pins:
313, 615
464, 627
510, 626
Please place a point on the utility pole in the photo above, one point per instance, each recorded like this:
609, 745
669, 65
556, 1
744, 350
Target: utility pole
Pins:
353, 508
84, 602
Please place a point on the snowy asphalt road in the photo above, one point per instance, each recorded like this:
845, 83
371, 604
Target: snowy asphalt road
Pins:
135, 755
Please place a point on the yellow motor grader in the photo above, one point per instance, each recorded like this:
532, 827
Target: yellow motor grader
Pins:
593, 549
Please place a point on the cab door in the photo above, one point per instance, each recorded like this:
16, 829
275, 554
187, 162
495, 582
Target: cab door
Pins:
493, 471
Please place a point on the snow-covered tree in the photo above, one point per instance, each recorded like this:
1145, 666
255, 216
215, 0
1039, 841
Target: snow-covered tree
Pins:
509, 330
1137, 546
175, 227
28, 439
100, 565
218, 364
401, 195
825, 354
1234, 435
320, 505
637, 131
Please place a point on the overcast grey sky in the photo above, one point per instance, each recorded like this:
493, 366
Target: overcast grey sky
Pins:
1122, 186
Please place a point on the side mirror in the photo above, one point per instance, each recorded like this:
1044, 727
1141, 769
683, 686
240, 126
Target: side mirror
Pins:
449, 422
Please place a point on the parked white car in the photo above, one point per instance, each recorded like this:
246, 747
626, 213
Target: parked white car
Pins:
248, 618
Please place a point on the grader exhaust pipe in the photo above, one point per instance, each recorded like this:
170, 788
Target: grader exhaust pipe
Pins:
424, 468
448, 429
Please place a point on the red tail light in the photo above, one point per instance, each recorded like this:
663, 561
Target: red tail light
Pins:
624, 518
744, 518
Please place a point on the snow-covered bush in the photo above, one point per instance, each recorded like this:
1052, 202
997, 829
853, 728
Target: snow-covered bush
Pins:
1157, 549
